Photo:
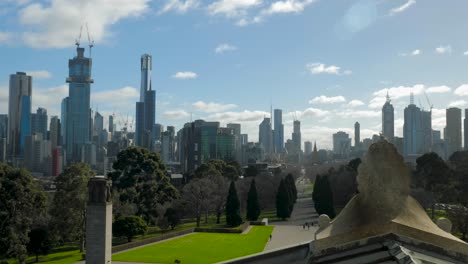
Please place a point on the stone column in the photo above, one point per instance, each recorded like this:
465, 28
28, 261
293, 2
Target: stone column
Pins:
99, 221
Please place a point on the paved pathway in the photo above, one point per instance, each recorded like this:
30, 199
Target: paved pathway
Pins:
291, 232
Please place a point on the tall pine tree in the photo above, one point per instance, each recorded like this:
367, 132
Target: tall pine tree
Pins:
292, 184
233, 217
253, 206
282, 201
323, 196
316, 192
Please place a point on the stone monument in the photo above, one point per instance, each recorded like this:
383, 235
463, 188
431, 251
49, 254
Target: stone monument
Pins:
99, 221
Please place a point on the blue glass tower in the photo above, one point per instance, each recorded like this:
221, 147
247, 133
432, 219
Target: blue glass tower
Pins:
78, 114
25, 121
146, 107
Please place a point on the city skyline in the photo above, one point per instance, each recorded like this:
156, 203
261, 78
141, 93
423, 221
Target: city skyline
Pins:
345, 87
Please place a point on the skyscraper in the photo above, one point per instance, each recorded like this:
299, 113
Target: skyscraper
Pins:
307, 147
388, 120
63, 118
146, 107
39, 122
19, 100
278, 132
341, 143
237, 138
111, 124
357, 134
264, 135
296, 136
453, 136
55, 132
465, 129
168, 144
413, 136
78, 107
3, 126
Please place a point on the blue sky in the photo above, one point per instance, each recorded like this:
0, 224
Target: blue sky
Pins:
328, 62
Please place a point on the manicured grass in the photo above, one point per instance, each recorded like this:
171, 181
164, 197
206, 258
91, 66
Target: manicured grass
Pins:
201, 247
67, 257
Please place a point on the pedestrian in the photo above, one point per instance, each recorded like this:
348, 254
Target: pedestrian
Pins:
270, 237
303, 226
308, 226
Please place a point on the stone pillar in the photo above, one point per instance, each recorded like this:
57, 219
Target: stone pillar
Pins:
99, 221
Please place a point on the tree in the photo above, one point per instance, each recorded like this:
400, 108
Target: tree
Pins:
251, 171
173, 217
233, 216
218, 194
196, 195
282, 201
354, 164
129, 227
140, 177
253, 206
68, 209
21, 201
39, 242
292, 186
459, 217
323, 196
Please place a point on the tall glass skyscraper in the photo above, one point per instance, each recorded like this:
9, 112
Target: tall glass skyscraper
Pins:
19, 94
146, 107
146, 67
388, 120
39, 122
278, 132
78, 114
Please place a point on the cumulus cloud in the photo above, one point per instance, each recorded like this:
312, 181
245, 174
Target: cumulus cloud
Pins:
232, 8
462, 90
178, 6
323, 99
465, 53
5, 37
415, 52
221, 48
175, 114
358, 114
185, 75
438, 89
402, 8
55, 23
458, 103
287, 6
39, 74
244, 116
50, 98
212, 107
126, 92
443, 49
319, 68
355, 103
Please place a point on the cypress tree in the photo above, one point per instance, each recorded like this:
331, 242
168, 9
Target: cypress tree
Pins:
253, 206
233, 217
316, 193
327, 198
292, 185
282, 201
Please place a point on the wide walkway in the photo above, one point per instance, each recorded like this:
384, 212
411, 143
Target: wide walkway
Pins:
291, 232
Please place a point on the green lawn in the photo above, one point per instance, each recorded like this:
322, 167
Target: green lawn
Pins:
67, 257
201, 247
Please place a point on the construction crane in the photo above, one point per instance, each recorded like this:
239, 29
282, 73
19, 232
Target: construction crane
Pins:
77, 41
428, 101
90, 40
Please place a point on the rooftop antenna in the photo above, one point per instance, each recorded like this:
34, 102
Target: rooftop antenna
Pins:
90, 40
388, 97
77, 41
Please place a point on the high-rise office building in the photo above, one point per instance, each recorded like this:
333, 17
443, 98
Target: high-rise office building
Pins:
237, 138
308, 147
453, 135
78, 118
226, 143
296, 136
388, 120
265, 135
465, 129
3, 126
278, 132
19, 101
357, 134
145, 135
111, 124
426, 127
413, 133
157, 130
341, 143
168, 144
39, 122
63, 120
55, 132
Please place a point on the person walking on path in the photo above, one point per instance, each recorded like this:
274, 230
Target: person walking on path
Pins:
270, 237
308, 226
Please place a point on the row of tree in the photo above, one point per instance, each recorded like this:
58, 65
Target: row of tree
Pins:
286, 197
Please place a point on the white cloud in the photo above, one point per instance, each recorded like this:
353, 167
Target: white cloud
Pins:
287, 6
55, 23
403, 7
221, 48
458, 103
232, 8
443, 49
359, 114
122, 97
175, 114
178, 6
212, 107
438, 89
465, 53
185, 75
49, 98
355, 103
323, 99
319, 68
5, 37
39, 74
244, 116
462, 90
415, 52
